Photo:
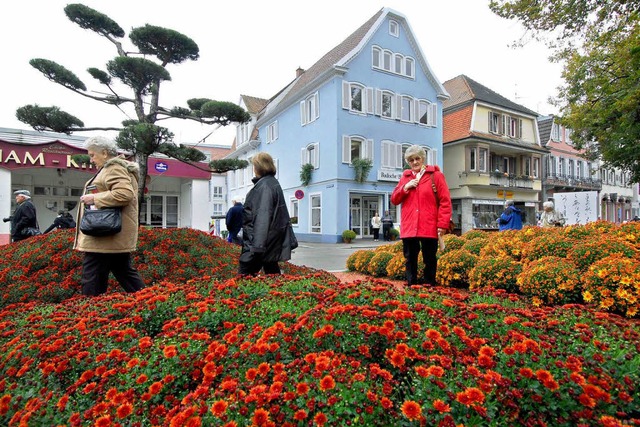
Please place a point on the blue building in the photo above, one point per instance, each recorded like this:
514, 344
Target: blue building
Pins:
370, 97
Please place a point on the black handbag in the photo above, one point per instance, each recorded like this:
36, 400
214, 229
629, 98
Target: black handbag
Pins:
101, 222
293, 241
31, 231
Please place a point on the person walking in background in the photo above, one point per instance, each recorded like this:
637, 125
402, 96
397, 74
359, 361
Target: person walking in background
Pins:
387, 224
63, 221
23, 218
234, 222
511, 218
265, 219
550, 217
116, 184
426, 213
376, 223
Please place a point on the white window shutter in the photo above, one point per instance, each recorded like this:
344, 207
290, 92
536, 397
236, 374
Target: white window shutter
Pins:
519, 128
398, 156
433, 115
317, 98
303, 113
369, 150
316, 152
385, 160
398, 107
378, 106
346, 149
416, 109
370, 104
303, 157
275, 130
346, 95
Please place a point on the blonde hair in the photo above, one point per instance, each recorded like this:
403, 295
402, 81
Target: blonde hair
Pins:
263, 164
415, 150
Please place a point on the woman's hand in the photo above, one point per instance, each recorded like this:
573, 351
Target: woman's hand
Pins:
87, 199
411, 184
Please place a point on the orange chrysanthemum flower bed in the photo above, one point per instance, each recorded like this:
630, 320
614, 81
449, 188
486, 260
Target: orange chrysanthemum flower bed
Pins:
549, 265
302, 348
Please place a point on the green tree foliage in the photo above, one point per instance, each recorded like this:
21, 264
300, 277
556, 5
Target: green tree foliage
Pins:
599, 44
133, 79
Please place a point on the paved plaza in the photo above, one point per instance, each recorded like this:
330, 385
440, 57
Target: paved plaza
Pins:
331, 257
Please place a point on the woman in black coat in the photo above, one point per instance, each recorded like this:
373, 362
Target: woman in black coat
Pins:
264, 221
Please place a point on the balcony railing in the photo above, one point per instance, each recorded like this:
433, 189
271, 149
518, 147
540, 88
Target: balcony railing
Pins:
584, 183
497, 179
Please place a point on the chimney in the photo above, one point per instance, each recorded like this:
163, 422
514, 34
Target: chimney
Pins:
299, 72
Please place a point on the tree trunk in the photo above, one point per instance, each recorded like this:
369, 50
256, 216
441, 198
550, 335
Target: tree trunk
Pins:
142, 160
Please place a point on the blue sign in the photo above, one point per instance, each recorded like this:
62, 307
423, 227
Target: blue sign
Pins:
161, 167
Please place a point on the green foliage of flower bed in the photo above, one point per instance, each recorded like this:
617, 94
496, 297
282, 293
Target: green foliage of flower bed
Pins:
305, 349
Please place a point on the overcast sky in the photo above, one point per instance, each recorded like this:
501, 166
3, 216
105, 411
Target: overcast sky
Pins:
253, 47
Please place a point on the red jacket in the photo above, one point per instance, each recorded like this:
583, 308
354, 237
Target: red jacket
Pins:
421, 216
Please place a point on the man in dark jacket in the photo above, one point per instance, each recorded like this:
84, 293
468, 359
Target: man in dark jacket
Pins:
24, 216
234, 222
387, 224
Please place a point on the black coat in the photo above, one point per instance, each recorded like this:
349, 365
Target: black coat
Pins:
62, 222
23, 218
264, 222
234, 218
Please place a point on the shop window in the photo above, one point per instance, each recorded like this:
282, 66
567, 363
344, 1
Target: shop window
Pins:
160, 211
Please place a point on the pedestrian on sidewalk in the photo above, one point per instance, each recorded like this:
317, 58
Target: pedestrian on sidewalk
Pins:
387, 224
376, 222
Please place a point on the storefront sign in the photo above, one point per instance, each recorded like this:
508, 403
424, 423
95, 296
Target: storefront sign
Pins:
161, 167
389, 175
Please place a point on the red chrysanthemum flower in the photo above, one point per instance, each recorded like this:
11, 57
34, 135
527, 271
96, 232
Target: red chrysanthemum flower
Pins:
440, 406
260, 417
124, 410
300, 415
386, 403
411, 410
320, 419
219, 407
327, 383
302, 388
170, 351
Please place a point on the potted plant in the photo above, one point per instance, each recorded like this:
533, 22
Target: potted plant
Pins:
394, 233
305, 174
361, 168
348, 236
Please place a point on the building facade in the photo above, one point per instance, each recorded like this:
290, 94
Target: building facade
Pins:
367, 99
177, 194
492, 153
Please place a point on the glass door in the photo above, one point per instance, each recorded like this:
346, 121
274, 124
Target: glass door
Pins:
355, 214
371, 207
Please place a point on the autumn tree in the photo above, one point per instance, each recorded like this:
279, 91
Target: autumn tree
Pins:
598, 41
133, 80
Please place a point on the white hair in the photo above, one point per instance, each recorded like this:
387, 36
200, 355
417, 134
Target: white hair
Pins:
102, 143
509, 203
415, 150
548, 204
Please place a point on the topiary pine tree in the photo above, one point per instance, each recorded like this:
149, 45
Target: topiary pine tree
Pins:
141, 76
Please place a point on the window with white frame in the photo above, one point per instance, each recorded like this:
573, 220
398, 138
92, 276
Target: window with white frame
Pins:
311, 154
579, 169
358, 98
515, 127
272, 132
376, 55
243, 133
570, 170
385, 105
398, 61
386, 60
394, 28
409, 67
495, 123
483, 156
427, 112
406, 112
294, 211
526, 166
309, 109
477, 159
536, 167
555, 132
217, 192
356, 147
316, 213
232, 179
217, 209
561, 166
391, 155
567, 135
553, 165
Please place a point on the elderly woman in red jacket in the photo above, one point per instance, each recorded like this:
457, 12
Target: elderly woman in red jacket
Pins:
425, 213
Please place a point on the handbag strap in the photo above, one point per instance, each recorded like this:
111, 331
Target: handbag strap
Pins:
435, 191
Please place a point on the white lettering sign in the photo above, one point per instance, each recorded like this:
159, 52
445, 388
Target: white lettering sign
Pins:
389, 175
579, 207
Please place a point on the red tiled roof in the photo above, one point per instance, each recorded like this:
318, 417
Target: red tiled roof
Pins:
457, 124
